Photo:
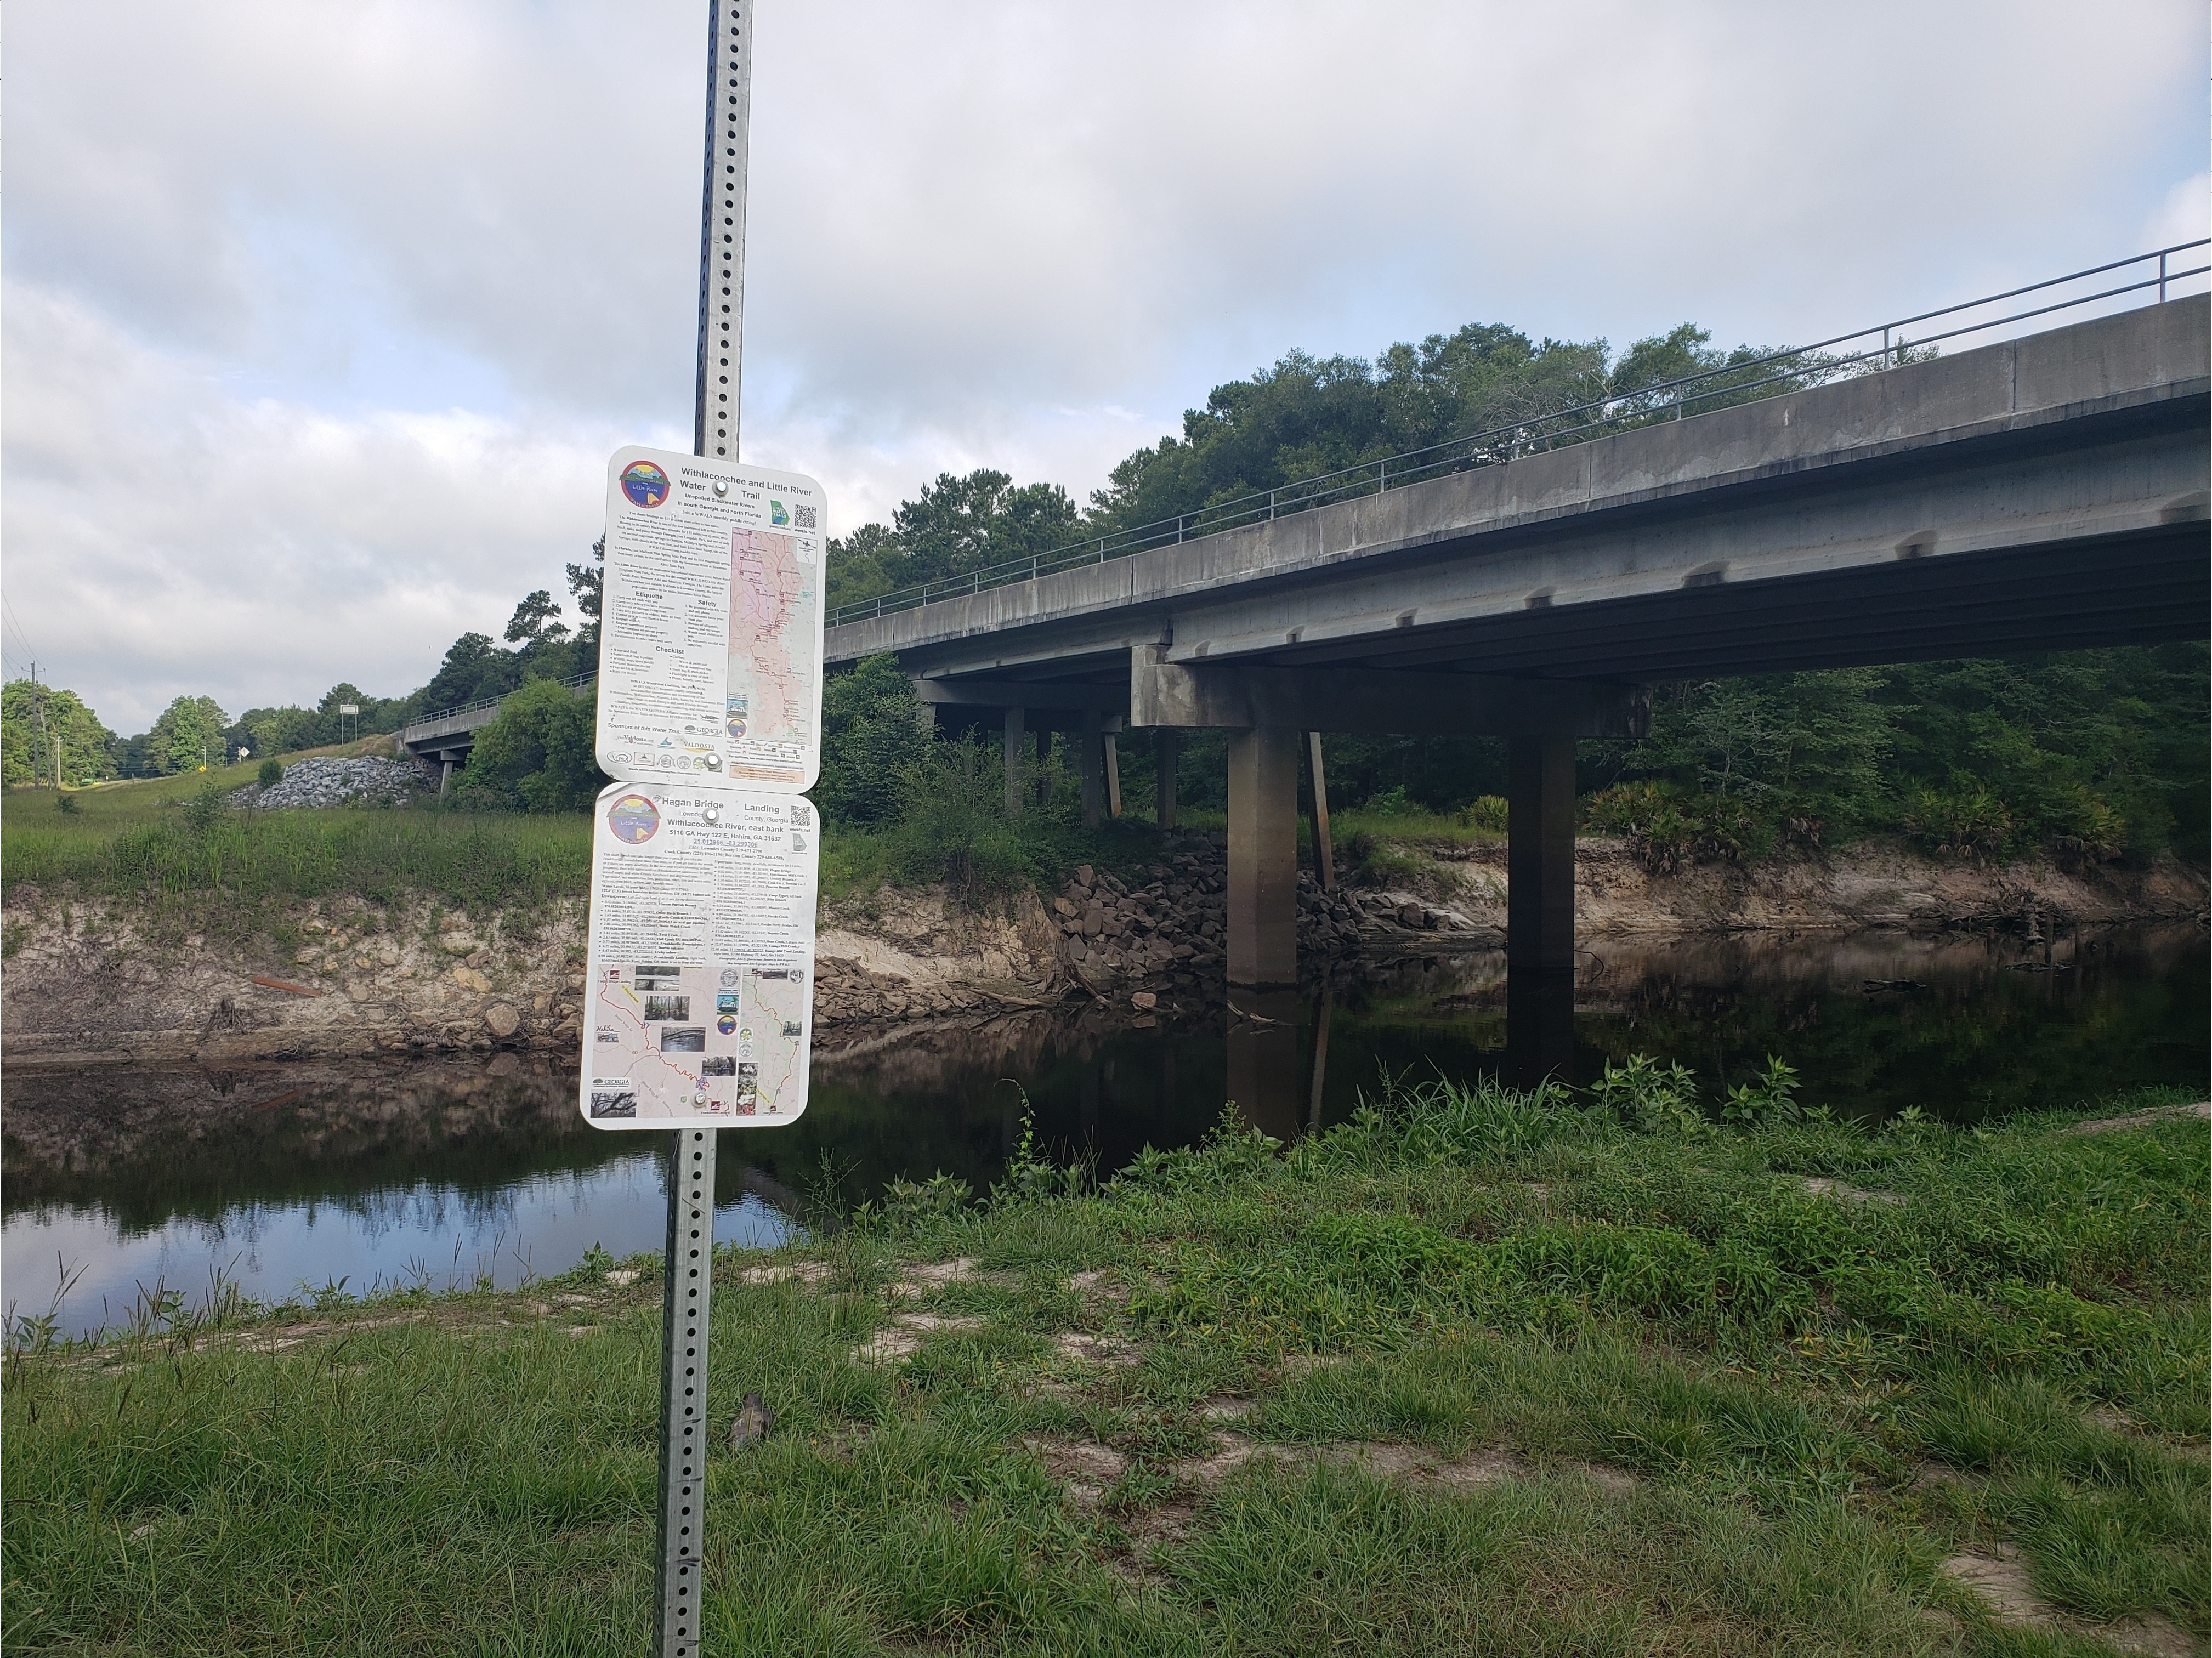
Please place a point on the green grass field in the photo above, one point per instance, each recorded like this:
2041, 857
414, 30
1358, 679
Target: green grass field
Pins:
1474, 1373
210, 868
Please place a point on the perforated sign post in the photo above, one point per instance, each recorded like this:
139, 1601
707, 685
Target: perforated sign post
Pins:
699, 968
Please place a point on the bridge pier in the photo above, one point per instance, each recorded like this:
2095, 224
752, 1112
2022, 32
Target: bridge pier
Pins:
1263, 857
1016, 743
1167, 755
1540, 906
1091, 763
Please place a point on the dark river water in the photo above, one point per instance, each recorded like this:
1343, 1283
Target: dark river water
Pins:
286, 1180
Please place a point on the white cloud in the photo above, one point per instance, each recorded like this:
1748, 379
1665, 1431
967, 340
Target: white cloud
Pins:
360, 297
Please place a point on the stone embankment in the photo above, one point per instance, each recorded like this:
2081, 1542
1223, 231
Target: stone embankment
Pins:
1165, 935
94, 983
334, 780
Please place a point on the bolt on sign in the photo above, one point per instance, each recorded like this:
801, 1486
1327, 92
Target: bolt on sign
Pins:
698, 1008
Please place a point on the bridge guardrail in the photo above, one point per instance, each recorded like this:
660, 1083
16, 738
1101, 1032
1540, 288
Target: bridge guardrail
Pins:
574, 682
1794, 369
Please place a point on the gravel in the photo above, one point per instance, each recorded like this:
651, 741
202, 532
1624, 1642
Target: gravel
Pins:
327, 780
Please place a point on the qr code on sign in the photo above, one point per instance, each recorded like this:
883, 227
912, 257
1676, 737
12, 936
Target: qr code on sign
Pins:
803, 518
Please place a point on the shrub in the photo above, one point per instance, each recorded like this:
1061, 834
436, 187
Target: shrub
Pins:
1488, 812
2088, 829
272, 774
1771, 1098
1653, 1096
1395, 803
537, 755
871, 739
1966, 821
1668, 826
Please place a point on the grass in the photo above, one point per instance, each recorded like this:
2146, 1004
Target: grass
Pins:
1711, 1411
168, 844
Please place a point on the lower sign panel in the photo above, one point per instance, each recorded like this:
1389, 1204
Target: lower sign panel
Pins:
699, 994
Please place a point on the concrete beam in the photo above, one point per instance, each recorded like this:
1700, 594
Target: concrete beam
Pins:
1022, 694
1171, 694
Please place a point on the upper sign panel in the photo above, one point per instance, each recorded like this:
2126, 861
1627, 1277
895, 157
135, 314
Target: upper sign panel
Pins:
710, 658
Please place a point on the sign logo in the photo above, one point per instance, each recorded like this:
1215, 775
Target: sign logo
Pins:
727, 1023
645, 484
776, 512
634, 819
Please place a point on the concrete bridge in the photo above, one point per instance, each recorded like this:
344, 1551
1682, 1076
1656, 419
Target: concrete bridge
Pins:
446, 737
2048, 493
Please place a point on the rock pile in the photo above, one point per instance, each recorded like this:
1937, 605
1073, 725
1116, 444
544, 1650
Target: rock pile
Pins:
1177, 921
328, 781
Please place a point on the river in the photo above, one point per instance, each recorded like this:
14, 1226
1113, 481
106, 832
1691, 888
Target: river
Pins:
347, 1178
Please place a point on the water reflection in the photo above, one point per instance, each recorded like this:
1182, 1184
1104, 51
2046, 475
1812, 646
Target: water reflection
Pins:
445, 1171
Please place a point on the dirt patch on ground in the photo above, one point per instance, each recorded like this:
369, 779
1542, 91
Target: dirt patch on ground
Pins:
1821, 1185
2000, 1579
904, 1336
2201, 1109
1086, 1469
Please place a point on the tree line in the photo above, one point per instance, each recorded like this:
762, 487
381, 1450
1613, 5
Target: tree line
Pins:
2092, 754
196, 731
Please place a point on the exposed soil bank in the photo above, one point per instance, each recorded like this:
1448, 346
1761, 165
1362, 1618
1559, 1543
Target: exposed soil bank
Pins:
88, 983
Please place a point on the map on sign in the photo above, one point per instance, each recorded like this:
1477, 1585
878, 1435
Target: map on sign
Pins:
698, 1003
710, 660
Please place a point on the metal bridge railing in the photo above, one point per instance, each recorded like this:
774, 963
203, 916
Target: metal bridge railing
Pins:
573, 682
1795, 369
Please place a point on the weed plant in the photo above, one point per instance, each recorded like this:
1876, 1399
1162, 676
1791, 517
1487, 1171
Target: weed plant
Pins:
1744, 1384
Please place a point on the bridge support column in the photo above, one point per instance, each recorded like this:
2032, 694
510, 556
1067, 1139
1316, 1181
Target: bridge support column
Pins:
1167, 755
445, 773
1091, 764
1539, 906
1016, 748
1263, 857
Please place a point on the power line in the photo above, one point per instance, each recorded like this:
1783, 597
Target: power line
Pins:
7, 611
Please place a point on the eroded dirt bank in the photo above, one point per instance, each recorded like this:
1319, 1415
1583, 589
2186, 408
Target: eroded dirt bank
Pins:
89, 983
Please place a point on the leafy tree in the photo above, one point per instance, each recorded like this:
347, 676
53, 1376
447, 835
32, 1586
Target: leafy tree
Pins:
871, 737
956, 525
189, 732
272, 730
474, 668
32, 715
537, 755
533, 622
585, 581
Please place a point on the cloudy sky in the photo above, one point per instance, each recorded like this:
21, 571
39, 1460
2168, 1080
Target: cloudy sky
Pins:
318, 320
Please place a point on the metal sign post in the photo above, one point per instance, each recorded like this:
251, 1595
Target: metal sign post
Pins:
722, 228
689, 1280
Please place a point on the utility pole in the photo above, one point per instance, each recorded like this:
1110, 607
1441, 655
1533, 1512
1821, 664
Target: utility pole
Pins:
688, 1272
38, 725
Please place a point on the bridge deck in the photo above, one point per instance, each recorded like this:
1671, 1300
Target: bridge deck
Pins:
2044, 493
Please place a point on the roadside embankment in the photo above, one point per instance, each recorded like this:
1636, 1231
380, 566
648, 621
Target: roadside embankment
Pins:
94, 981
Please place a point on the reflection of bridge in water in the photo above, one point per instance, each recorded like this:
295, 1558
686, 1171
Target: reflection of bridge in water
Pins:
2044, 494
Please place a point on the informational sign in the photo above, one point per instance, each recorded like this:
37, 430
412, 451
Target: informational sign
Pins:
698, 1007
698, 1000
710, 660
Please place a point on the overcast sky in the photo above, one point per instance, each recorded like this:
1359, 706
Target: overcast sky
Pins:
318, 321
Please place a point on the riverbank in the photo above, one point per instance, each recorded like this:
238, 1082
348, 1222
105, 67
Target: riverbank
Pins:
94, 979
1473, 1372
